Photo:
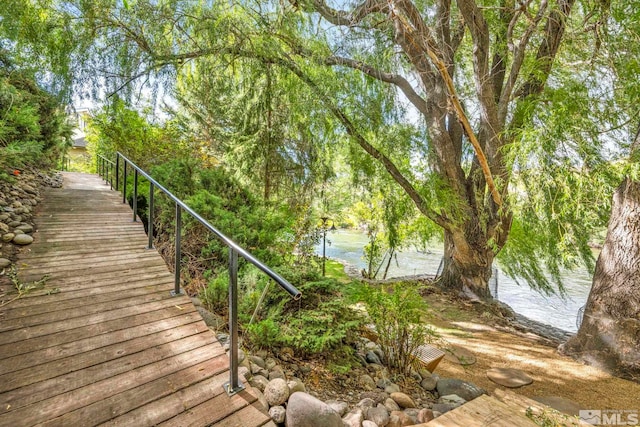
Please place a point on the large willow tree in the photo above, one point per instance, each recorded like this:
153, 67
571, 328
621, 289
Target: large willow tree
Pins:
509, 99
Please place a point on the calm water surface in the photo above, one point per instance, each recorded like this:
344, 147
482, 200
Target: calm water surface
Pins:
346, 245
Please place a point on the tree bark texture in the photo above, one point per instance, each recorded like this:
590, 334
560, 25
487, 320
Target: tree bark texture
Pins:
609, 336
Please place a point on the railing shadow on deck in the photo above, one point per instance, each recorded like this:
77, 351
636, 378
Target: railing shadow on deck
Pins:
109, 170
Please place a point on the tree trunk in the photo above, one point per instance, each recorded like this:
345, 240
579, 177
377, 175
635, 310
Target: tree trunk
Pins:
466, 270
609, 336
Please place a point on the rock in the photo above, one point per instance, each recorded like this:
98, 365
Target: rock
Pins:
459, 355
353, 418
241, 356
295, 384
255, 369
378, 415
442, 407
371, 357
452, 399
465, 390
412, 413
367, 423
258, 361
392, 388
304, 410
425, 415
383, 383
4, 228
276, 373
22, 239
339, 406
366, 382
403, 400
391, 405
270, 363
14, 224
366, 403
509, 377
429, 383
276, 392
29, 189
7, 237
4, 263
394, 421
376, 397
18, 231
259, 382
403, 419
277, 414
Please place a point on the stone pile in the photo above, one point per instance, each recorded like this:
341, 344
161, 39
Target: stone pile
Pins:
17, 203
382, 403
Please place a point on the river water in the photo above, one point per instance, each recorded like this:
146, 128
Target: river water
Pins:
346, 245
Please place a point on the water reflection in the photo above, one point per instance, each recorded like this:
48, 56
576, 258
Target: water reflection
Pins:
346, 245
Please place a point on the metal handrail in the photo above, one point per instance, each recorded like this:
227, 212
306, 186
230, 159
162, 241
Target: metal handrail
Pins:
105, 166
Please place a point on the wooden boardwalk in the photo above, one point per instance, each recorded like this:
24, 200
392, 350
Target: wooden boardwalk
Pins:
104, 343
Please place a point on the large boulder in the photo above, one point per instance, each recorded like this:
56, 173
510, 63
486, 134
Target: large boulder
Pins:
276, 392
465, 390
304, 410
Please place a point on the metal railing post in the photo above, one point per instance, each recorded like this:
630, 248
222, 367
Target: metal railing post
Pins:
150, 217
124, 184
107, 166
176, 288
117, 171
233, 386
135, 195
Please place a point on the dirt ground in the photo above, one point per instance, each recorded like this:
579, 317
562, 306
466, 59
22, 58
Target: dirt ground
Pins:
462, 324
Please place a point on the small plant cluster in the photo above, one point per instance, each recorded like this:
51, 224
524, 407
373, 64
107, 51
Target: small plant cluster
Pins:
397, 312
24, 288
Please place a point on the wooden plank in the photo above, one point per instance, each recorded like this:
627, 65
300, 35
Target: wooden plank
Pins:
174, 303
68, 315
66, 271
62, 350
98, 279
217, 410
165, 408
481, 412
82, 302
63, 337
66, 402
523, 404
122, 404
79, 275
88, 260
110, 367
35, 299
249, 415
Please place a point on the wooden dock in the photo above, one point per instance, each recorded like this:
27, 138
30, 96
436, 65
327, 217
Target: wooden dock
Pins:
104, 343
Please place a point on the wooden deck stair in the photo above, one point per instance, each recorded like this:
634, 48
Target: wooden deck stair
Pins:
104, 343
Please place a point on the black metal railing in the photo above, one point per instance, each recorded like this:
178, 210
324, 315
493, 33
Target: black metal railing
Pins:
110, 170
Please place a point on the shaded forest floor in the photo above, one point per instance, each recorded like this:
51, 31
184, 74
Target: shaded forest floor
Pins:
495, 343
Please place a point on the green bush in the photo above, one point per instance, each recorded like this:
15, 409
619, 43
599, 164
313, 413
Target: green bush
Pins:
397, 311
321, 322
33, 127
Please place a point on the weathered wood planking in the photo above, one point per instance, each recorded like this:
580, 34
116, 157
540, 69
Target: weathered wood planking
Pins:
110, 345
484, 411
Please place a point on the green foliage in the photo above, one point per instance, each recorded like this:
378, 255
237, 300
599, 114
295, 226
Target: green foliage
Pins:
215, 295
33, 128
118, 127
397, 312
321, 322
